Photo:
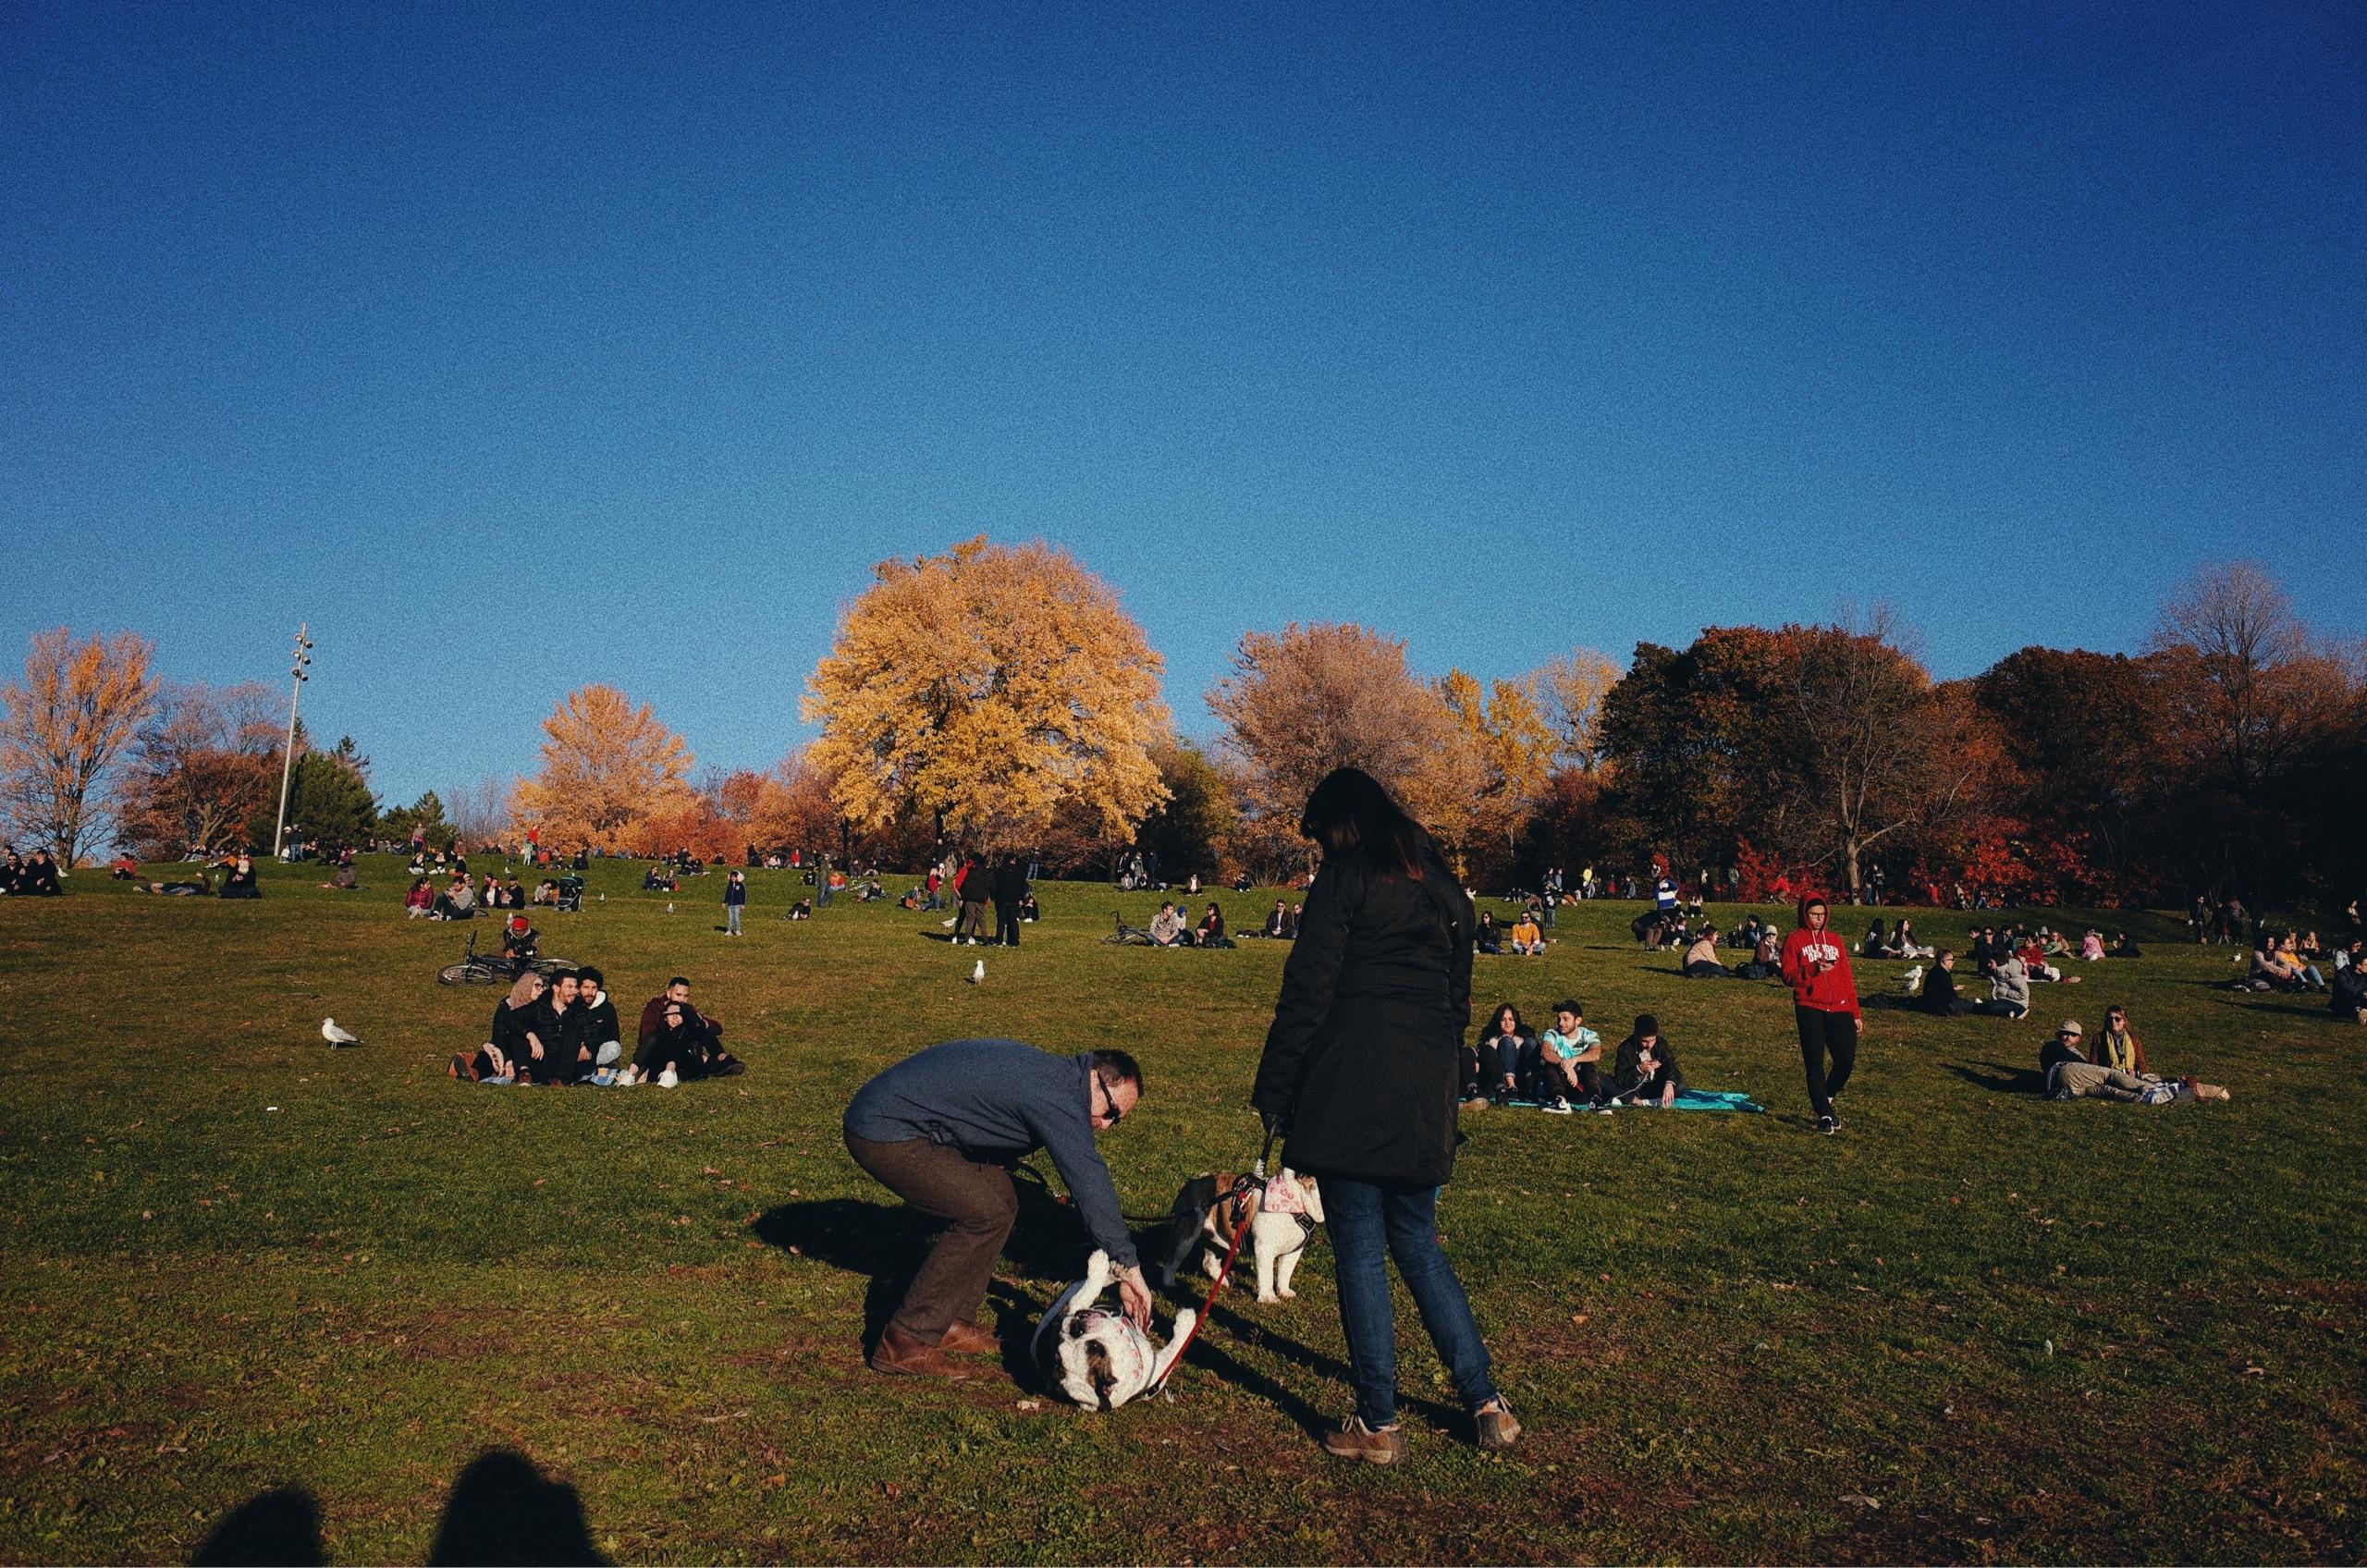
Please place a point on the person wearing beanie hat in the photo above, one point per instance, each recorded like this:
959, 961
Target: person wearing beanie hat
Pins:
1645, 1072
1824, 1006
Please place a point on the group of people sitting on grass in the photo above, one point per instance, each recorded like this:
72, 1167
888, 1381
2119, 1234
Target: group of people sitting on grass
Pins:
457, 901
1525, 937
34, 875
1561, 1067
2117, 1071
2290, 962
1170, 927
564, 1030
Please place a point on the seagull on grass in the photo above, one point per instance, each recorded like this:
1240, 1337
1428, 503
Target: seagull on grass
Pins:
337, 1037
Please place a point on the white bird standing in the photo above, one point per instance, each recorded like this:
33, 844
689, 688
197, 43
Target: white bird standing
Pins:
979, 976
337, 1037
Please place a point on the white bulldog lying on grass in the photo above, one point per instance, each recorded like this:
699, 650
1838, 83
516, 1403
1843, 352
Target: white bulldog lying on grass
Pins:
1093, 1356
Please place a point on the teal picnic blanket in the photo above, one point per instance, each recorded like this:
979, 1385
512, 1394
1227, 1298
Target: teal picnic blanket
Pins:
1691, 1099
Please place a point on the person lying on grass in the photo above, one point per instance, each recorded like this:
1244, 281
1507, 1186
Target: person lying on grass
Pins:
2071, 1076
1646, 1071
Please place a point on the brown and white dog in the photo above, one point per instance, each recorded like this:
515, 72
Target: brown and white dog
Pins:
1209, 1213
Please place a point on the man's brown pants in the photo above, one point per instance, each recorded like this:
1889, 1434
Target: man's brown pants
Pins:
980, 1206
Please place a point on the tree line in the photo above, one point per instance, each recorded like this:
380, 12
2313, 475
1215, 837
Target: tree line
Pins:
1001, 697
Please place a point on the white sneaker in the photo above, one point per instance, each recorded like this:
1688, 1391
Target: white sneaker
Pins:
1559, 1108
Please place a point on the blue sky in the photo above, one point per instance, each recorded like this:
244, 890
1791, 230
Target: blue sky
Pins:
520, 347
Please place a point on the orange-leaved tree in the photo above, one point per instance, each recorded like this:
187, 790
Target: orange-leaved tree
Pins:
606, 766
987, 687
63, 730
1302, 701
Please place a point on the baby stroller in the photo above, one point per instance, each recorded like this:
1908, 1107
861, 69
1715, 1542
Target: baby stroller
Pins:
570, 894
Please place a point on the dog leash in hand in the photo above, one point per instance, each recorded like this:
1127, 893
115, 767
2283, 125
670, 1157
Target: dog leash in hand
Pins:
1242, 1187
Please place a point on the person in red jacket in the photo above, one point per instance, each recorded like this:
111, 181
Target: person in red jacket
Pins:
1824, 1004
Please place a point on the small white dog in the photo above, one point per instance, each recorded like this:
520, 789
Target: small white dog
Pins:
1093, 1356
1282, 1220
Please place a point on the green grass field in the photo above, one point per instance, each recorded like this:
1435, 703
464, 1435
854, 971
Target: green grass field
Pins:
1976, 1325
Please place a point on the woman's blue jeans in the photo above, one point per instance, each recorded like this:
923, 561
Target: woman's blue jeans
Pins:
1370, 1224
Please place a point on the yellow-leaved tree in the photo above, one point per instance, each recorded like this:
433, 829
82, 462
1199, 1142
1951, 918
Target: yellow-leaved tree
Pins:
989, 686
606, 766
62, 730
1501, 757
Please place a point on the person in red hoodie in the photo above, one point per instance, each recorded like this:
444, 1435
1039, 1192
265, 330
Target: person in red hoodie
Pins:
1824, 1004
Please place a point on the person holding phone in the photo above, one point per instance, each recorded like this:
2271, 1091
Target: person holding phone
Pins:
1824, 1006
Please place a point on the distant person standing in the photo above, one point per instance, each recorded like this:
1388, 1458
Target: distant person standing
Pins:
1010, 890
735, 900
1824, 1006
971, 925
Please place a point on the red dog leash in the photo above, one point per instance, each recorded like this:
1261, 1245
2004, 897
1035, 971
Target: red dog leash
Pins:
1242, 1186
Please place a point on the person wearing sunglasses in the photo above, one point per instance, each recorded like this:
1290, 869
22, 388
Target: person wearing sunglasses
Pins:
942, 1128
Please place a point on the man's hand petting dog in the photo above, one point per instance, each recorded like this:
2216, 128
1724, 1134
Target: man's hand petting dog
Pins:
1134, 1296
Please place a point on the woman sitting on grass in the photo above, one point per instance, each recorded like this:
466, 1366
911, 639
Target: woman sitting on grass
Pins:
1489, 936
1491, 1069
420, 899
1701, 958
513, 1037
1904, 945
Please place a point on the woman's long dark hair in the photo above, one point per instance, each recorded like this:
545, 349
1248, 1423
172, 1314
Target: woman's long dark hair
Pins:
1350, 813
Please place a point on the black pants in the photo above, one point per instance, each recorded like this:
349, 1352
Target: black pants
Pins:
1006, 924
1552, 1086
1823, 1034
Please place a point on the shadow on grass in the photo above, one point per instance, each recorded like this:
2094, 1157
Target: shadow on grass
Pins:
280, 1527
1998, 1078
502, 1510
1206, 1354
887, 1241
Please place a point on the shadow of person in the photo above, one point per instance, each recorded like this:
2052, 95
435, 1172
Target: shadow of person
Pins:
280, 1527
503, 1511
1246, 1330
887, 1241
1998, 1078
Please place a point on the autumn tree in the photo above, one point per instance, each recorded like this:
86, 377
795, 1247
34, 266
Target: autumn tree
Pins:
1696, 753
985, 688
1569, 688
1482, 789
607, 765
793, 808
205, 766
63, 728
1299, 703
1876, 755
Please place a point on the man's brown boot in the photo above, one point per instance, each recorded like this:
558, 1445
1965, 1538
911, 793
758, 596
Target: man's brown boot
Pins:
900, 1352
968, 1339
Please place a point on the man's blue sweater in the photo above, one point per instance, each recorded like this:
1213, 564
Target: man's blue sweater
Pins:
995, 1100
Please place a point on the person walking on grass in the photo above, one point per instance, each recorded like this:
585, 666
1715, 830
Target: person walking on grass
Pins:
1824, 1006
735, 900
1359, 1077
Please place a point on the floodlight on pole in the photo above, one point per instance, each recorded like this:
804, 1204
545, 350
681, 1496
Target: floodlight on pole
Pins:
303, 655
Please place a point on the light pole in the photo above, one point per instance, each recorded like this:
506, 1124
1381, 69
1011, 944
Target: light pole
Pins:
287, 757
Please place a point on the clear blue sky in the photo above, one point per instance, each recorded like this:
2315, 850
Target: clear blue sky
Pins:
520, 347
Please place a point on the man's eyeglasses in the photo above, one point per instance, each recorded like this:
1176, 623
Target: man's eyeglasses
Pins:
1110, 1102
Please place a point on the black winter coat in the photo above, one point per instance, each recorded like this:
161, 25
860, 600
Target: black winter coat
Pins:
1361, 1060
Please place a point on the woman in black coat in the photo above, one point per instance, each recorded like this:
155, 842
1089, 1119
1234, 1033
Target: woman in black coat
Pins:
1359, 1071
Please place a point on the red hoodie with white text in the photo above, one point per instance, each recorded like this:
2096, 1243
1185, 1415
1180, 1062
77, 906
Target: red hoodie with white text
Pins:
1817, 964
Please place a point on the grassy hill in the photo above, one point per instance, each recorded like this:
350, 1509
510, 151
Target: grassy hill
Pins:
237, 1266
